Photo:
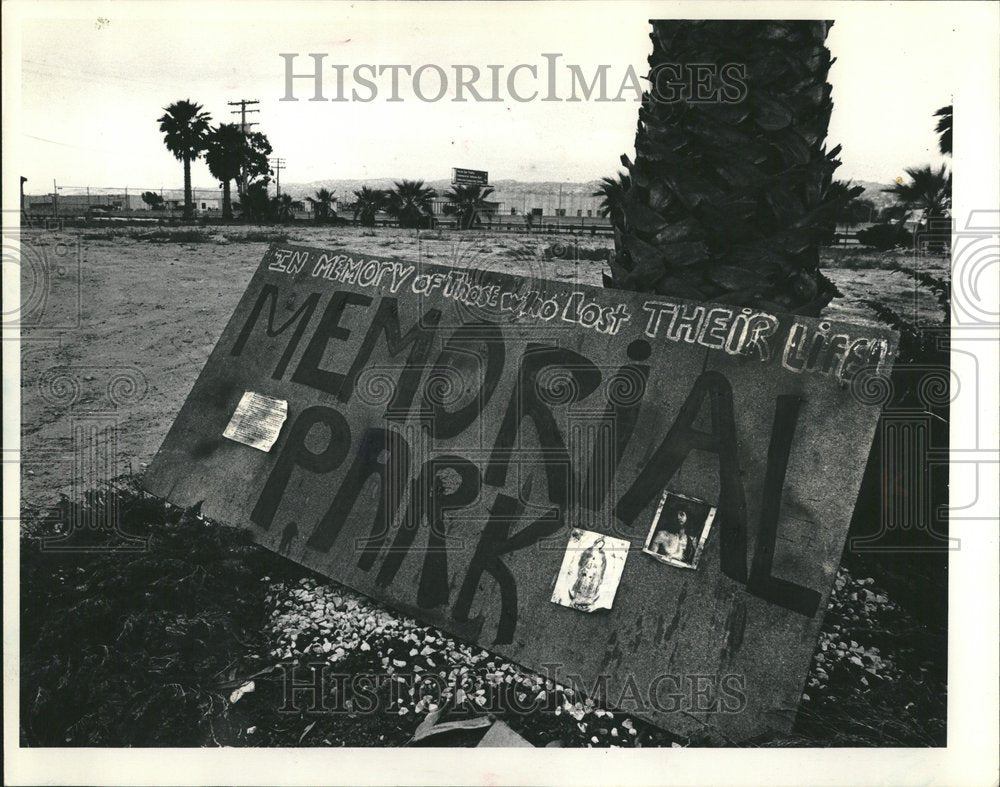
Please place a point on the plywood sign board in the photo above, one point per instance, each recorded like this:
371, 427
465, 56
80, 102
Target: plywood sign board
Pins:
638, 494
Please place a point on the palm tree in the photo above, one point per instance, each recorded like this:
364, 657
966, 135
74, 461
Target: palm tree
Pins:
231, 154
943, 129
613, 191
323, 203
468, 202
225, 155
185, 127
929, 191
410, 202
283, 204
852, 209
368, 202
255, 204
727, 198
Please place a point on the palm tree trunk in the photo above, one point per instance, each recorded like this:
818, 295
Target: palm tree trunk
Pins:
188, 205
727, 198
227, 204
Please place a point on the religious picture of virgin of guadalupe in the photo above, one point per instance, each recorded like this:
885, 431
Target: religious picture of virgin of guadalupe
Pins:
679, 530
591, 570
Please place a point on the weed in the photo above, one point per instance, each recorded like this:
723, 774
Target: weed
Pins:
144, 649
174, 236
264, 236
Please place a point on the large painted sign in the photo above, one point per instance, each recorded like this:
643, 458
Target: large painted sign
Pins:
639, 494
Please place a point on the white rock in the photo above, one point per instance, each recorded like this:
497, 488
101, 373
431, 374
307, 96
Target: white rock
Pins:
237, 694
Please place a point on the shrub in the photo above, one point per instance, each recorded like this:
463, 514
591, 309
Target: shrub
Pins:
885, 236
560, 251
875, 679
146, 648
174, 236
262, 236
908, 553
129, 648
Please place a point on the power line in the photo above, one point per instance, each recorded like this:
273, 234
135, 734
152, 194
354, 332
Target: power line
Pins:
68, 145
243, 103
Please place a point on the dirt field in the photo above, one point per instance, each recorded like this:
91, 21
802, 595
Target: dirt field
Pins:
117, 326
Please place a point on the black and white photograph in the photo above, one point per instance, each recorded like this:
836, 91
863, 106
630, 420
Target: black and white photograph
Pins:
679, 530
386, 380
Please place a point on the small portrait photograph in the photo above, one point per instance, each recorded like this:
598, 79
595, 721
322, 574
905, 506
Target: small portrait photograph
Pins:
679, 530
591, 570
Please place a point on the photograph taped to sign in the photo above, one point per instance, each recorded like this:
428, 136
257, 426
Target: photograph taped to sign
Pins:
257, 421
591, 571
679, 531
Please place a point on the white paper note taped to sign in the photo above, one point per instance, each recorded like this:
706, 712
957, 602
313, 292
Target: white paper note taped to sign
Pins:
257, 421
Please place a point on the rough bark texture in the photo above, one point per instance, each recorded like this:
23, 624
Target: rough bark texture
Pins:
188, 202
727, 198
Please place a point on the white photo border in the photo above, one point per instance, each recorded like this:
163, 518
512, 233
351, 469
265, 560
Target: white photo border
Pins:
702, 538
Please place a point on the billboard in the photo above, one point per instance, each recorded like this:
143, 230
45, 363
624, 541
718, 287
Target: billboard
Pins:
469, 177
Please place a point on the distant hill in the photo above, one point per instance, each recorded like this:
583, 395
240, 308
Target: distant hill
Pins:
873, 192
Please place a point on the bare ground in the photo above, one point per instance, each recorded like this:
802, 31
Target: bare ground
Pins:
122, 322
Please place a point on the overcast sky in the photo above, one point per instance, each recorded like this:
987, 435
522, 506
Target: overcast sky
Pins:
93, 86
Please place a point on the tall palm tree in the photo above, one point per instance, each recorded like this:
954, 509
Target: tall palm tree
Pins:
468, 202
728, 198
231, 154
185, 128
225, 155
368, 202
323, 204
943, 129
410, 202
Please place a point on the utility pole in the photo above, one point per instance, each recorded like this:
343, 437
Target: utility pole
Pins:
243, 103
278, 164
24, 216
55, 199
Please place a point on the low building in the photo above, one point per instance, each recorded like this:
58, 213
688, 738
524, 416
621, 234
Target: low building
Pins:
202, 203
83, 204
65, 204
442, 207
